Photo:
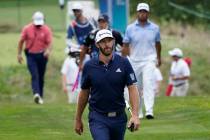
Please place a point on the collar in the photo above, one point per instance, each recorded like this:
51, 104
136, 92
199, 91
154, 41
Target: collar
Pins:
147, 23
102, 63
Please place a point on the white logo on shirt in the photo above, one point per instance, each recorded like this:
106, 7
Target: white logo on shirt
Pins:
132, 76
118, 70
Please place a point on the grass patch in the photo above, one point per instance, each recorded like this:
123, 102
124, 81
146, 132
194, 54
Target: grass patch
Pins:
176, 118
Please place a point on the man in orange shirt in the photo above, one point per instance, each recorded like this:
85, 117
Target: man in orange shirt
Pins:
37, 38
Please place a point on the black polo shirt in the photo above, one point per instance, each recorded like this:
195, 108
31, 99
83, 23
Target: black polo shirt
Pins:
90, 41
107, 83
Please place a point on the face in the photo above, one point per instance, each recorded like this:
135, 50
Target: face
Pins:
142, 15
77, 13
106, 46
102, 24
175, 58
38, 26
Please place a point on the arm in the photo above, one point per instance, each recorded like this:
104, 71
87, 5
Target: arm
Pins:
82, 102
64, 83
158, 50
20, 48
125, 49
48, 49
134, 100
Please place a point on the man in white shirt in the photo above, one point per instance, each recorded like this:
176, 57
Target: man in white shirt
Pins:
179, 73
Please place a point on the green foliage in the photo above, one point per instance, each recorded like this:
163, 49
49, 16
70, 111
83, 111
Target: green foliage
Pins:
162, 10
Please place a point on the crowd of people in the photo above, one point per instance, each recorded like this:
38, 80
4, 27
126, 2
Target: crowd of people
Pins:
101, 70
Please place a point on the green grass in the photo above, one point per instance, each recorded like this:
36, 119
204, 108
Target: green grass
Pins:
176, 119
15, 17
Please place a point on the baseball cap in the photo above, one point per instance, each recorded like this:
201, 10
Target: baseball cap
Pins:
76, 6
142, 6
175, 52
104, 33
38, 18
103, 17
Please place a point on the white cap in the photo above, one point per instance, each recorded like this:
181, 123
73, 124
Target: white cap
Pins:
142, 6
104, 33
175, 52
76, 6
38, 18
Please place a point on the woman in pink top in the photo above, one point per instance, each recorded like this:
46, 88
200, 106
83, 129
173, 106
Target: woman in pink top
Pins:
37, 38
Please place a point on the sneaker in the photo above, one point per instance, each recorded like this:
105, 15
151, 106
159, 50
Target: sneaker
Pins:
41, 101
141, 116
36, 98
149, 117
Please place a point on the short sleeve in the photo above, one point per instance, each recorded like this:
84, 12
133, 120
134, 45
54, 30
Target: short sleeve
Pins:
24, 34
130, 75
127, 38
85, 81
157, 38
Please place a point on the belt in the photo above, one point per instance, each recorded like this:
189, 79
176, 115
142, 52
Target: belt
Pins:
110, 114
178, 85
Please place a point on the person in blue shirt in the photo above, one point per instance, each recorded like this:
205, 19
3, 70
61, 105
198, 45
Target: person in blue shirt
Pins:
79, 28
142, 44
103, 81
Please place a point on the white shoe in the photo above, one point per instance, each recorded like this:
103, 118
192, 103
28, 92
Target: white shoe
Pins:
36, 98
41, 101
141, 116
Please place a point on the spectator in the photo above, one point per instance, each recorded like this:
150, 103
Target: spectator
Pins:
37, 38
179, 73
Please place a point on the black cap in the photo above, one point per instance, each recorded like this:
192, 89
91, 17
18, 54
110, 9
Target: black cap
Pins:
103, 17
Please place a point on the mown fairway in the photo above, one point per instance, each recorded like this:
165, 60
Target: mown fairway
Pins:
176, 119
